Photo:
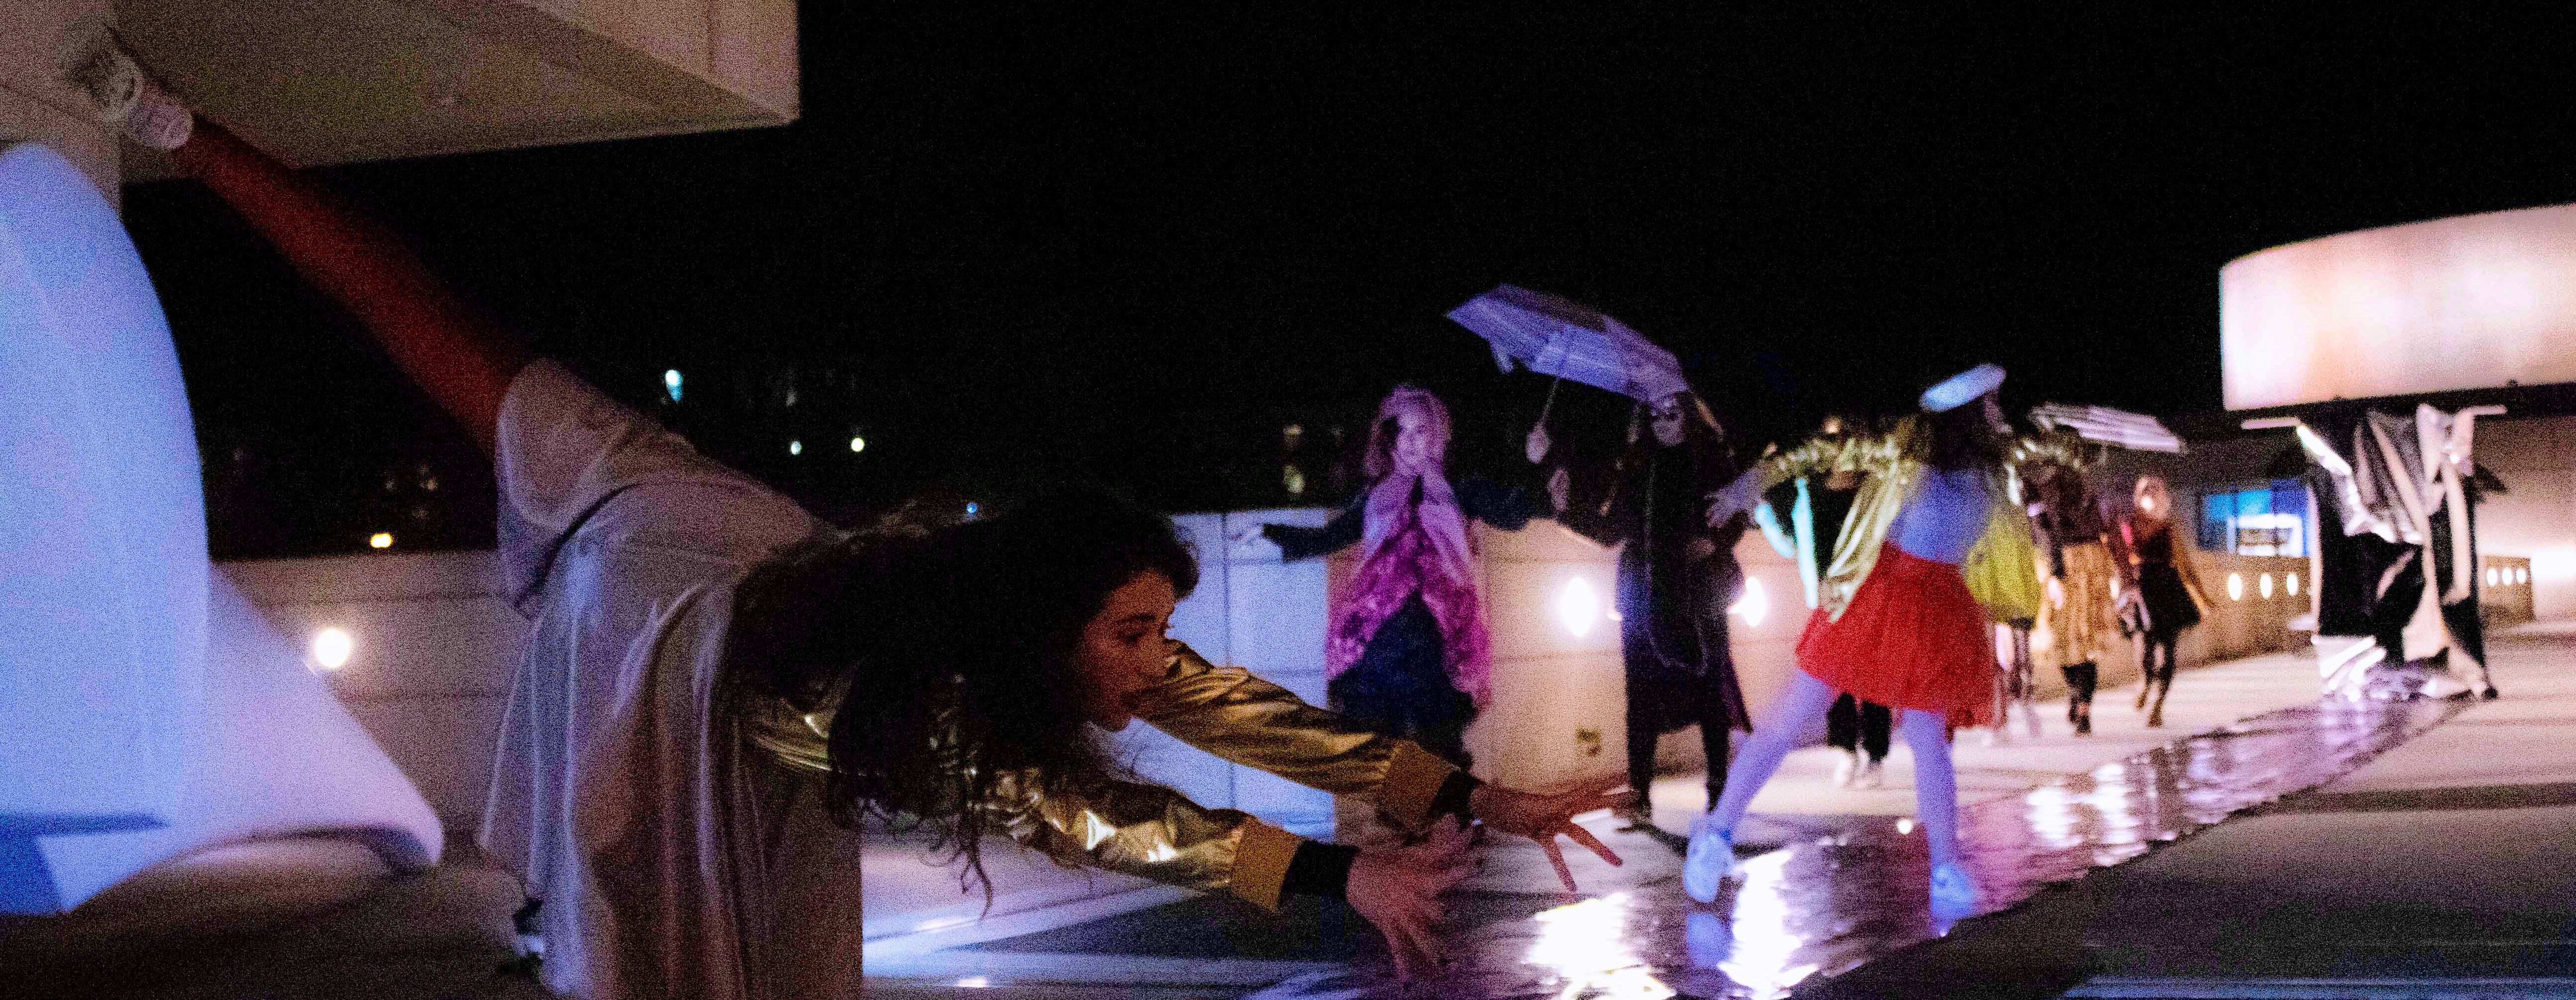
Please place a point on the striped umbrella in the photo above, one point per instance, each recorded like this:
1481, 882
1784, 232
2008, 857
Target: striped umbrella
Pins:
1555, 336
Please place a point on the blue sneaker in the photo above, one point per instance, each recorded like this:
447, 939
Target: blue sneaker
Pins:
1954, 894
1711, 860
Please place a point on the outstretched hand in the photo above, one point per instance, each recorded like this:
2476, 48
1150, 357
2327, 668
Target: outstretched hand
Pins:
1543, 818
1399, 892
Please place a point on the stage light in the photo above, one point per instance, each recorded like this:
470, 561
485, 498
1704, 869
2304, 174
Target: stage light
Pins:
1754, 606
331, 648
2235, 586
858, 444
1578, 606
381, 540
795, 447
671, 383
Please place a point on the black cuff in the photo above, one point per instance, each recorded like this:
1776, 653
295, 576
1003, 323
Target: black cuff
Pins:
1454, 797
1319, 869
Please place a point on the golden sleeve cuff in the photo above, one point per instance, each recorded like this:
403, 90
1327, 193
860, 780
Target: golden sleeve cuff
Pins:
1262, 853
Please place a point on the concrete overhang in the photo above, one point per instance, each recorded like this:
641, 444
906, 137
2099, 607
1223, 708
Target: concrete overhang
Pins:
342, 81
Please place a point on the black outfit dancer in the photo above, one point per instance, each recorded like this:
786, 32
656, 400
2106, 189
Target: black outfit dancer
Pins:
1677, 576
2162, 573
1858, 729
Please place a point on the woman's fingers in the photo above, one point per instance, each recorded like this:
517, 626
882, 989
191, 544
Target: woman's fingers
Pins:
1557, 857
1585, 838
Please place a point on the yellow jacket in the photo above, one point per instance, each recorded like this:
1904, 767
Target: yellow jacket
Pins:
1891, 465
1151, 831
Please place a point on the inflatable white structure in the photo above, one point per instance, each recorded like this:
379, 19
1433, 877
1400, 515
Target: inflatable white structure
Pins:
144, 713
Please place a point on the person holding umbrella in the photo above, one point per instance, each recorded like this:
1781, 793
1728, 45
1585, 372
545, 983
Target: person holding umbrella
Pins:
1899, 625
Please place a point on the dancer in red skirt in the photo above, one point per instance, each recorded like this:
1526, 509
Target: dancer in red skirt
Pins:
1898, 626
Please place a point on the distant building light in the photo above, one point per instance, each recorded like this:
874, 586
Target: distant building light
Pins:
2292, 582
795, 447
2495, 577
2235, 586
2522, 574
671, 383
331, 648
381, 540
2263, 586
858, 444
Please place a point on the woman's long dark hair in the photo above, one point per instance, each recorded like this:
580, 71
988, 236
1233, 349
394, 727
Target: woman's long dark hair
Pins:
1962, 439
952, 649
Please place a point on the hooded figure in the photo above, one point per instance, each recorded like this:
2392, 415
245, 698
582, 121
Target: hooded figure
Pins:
1406, 649
1677, 576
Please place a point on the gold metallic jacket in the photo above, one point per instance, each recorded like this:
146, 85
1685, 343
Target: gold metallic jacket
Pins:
1155, 832
1891, 464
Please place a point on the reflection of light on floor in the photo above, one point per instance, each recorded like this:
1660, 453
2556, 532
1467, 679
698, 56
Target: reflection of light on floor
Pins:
2050, 818
1587, 944
1764, 942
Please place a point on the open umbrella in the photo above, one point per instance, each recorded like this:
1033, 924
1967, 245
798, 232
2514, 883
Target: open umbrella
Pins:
1555, 336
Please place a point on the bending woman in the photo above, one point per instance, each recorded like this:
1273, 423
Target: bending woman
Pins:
716, 681
1898, 626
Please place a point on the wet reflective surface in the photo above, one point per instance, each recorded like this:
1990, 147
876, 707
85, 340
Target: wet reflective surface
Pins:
1826, 904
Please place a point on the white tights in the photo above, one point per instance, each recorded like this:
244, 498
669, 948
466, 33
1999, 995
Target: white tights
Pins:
1936, 787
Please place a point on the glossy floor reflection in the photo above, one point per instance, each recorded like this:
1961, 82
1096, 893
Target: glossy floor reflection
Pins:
1823, 906
1839, 895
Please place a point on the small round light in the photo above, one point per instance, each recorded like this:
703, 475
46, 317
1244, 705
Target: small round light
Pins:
2235, 586
1754, 606
2263, 586
795, 447
973, 509
331, 648
1578, 607
2291, 582
2522, 574
858, 444
2494, 577
381, 540
671, 383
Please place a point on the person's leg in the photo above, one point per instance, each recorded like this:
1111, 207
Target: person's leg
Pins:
2160, 653
1936, 789
1842, 732
1875, 721
2081, 678
1641, 745
1778, 733
1842, 723
1716, 737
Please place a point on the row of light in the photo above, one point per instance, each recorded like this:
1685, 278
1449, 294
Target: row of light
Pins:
672, 387
1579, 606
2262, 584
2498, 576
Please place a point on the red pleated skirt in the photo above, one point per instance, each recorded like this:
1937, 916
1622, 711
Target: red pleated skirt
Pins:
1912, 638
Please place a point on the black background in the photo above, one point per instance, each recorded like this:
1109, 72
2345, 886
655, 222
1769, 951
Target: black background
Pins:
1012, 244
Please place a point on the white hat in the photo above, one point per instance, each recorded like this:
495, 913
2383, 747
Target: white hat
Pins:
1963, 388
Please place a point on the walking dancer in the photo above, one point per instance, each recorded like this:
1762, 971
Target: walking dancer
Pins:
1898, 625
2160, 568
2076, 545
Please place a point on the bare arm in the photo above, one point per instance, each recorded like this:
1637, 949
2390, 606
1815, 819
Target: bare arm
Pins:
461, 361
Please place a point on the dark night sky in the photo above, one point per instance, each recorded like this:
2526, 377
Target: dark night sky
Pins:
1064, 239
